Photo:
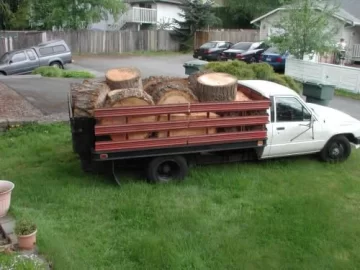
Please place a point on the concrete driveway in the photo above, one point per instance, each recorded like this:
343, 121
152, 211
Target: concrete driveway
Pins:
171, 65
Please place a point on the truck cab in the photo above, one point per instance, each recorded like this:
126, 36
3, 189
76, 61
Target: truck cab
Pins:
297, 128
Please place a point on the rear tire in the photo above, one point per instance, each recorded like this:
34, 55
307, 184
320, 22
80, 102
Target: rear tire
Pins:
337, 149
57, 64
167, 169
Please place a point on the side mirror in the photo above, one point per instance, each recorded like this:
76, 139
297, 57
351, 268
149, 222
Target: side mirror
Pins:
10, 62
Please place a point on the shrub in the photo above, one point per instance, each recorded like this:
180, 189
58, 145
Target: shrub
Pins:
255, 71
263, 71
24, 227
60, 73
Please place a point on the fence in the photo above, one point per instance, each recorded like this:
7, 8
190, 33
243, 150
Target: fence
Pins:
88, 41
227, 35
347, 78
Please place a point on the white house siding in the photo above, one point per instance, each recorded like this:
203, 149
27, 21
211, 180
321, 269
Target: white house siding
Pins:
167, 12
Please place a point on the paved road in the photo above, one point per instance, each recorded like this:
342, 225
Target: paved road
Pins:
50, 95
160, 65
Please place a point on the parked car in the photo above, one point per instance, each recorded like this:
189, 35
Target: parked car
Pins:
245, 51
52, 53
212, 50
275, 58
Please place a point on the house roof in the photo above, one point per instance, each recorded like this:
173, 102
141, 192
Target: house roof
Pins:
349, 11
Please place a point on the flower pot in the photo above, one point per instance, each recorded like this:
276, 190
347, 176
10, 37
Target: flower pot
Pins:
5, 196
27, 241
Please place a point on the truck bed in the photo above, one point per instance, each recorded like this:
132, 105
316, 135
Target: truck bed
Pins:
242, 125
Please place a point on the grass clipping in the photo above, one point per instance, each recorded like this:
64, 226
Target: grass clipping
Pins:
56, 72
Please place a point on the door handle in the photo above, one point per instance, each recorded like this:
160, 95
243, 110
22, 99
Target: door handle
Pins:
280, 128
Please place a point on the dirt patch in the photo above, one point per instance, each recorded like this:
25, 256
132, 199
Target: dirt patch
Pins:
14, 106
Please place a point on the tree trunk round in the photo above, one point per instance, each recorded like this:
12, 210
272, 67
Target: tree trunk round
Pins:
173, 93
121, 78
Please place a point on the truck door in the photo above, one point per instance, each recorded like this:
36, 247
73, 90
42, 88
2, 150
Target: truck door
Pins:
18, 63
33, 60
292, 132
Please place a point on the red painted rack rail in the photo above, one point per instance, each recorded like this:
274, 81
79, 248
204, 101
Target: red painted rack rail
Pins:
248, 114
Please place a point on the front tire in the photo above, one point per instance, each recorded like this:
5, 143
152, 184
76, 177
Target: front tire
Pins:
166, 169
337, 149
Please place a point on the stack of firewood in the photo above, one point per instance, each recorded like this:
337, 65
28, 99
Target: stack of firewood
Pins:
124, 87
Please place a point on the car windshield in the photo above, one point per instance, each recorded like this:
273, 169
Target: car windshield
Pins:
273, 50
208, 45
242, 46
5, 58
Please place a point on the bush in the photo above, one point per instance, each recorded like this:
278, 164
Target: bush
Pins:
255, 71
56, 72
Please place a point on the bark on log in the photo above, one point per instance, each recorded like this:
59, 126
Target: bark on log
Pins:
122, 78
173, 93
152, 83
216, 87
193, 79
129, 97
189, 131
88, 96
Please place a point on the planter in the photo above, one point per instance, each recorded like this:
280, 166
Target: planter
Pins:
194, 66
318, 93
27, 242
6, 188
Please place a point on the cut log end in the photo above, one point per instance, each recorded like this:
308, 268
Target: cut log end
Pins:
173, 93
119, 78
217, 79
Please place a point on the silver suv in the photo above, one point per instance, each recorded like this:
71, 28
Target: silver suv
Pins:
52, 53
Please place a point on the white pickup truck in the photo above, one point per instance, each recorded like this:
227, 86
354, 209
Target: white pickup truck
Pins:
299, 128
275, 123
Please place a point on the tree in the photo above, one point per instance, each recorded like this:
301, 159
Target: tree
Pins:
72, 14
307, 26
196, 14
10, 18
251, 9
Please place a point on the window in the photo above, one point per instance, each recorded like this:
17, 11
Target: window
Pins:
18, 57
242, 46
60, 48
289, 109
223, 45
31, 54
46, 51
208, 45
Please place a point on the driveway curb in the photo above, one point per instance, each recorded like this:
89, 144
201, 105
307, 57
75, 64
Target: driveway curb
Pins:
20, 77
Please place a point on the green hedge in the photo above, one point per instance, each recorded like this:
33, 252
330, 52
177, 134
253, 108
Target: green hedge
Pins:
60, 73
256, 71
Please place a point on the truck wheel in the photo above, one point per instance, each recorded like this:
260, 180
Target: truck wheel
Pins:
56, 64
166, 169
337, 149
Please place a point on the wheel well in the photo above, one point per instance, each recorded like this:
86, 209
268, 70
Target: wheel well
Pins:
55, 61
2, 72
350, 137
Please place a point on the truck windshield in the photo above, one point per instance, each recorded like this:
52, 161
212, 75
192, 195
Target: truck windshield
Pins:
5, 58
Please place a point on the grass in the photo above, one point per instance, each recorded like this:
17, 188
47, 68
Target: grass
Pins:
295, 213
345, 93
16, 262
61, 73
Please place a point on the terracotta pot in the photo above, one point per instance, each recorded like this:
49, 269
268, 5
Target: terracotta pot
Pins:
5, 196
27, 241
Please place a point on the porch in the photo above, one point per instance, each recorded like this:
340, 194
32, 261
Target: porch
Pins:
134, 15
352, 55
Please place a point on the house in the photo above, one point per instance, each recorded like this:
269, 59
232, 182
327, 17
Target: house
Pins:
347, 18
143, 14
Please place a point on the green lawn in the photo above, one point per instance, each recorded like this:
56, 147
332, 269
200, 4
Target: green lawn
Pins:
295, 213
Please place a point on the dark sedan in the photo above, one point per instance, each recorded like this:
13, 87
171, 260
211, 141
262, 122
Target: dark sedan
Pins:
249, 52
275, 58
212, 50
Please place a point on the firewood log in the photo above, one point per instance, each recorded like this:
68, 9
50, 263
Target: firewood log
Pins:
153, 82
129, 97
88, 96
216, 87
122, 78
189, 131
173, 93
